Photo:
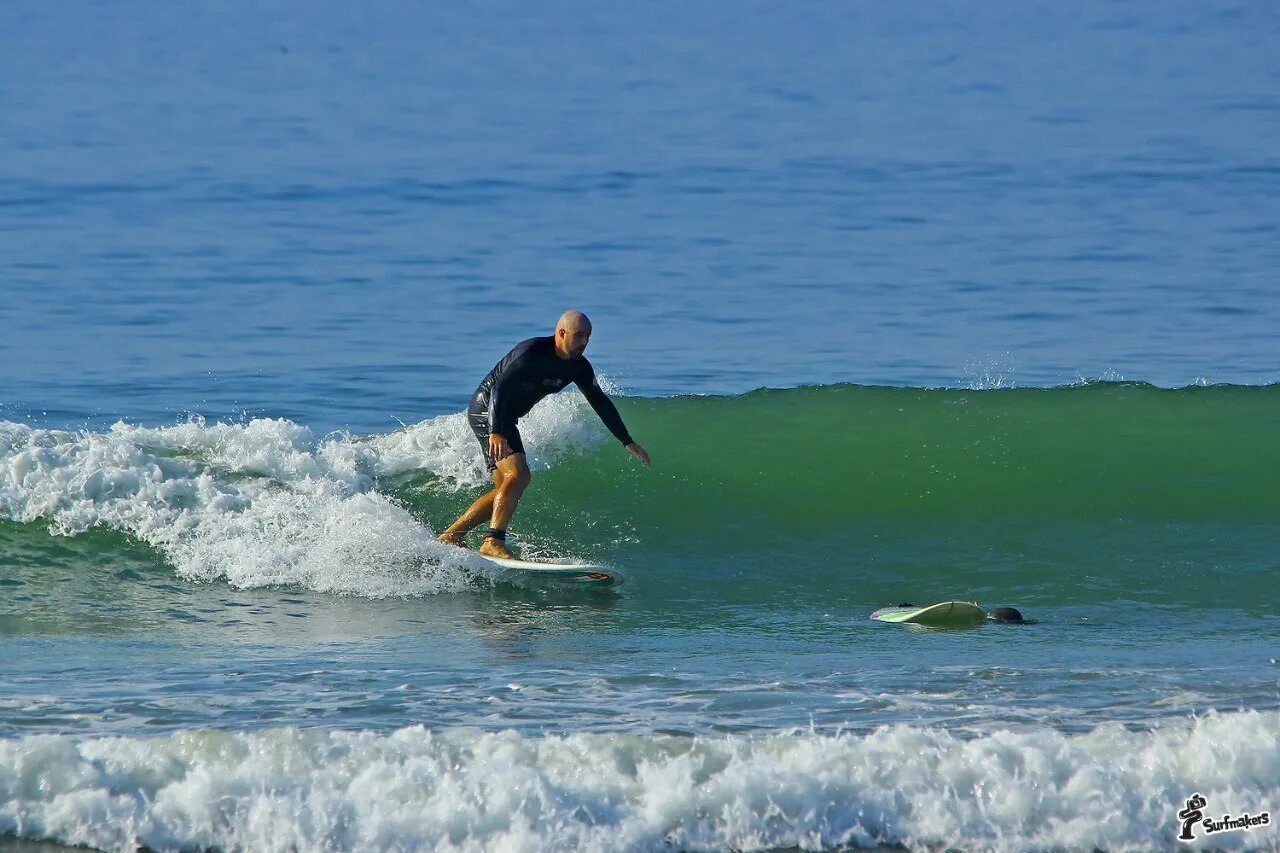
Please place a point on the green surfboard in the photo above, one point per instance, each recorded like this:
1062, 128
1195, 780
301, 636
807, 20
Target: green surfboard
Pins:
944, 614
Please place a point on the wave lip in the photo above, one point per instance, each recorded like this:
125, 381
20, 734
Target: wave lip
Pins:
460, 789
257, 503
265, 502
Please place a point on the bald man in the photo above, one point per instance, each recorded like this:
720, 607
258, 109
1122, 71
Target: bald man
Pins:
532, 370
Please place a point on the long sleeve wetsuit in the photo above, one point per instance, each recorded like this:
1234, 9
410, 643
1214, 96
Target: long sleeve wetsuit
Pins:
531, 371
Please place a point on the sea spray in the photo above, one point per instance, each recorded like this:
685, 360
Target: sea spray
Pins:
266, 502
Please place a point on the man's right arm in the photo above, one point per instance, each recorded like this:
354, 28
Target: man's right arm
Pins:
506, 372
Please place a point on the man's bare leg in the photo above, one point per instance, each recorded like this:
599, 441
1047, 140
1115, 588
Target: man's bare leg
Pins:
515, 479
477, 514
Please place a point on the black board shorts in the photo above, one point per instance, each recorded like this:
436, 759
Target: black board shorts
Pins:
479, 422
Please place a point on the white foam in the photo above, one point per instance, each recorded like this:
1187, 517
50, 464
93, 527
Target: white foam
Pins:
267, 502
559, 427
414, 789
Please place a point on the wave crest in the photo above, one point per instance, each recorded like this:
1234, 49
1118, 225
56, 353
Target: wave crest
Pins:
266, 502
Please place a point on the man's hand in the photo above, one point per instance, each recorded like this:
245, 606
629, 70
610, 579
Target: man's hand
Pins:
638, 452
498, 447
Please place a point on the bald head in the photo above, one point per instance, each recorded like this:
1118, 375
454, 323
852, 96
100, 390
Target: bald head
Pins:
574, 321
573, 330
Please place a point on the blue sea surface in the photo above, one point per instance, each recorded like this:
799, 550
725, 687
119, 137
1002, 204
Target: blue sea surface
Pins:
343, 214
255, 258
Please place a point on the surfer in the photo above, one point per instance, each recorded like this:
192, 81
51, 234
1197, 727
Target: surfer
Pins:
532, 370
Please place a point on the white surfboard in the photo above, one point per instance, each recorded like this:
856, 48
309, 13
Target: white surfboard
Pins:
576, 574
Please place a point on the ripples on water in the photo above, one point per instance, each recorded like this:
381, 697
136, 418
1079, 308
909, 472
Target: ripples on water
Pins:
346, 218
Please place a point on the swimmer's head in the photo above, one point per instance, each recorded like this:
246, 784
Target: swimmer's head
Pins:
1006, 615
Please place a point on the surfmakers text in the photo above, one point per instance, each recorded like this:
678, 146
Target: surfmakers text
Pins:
1193, 815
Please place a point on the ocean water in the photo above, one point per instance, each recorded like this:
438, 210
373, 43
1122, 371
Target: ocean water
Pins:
972, 301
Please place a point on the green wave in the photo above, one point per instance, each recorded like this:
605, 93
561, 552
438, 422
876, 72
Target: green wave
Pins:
856, 497
1100, 491
813, 456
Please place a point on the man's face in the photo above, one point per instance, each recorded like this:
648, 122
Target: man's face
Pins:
574, 341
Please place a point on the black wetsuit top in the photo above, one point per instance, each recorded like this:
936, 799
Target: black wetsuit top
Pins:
531, 371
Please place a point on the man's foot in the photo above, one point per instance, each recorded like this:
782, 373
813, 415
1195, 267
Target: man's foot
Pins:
493, 548
458, 539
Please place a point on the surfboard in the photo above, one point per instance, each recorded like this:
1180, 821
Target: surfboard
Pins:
944, 614
575, 574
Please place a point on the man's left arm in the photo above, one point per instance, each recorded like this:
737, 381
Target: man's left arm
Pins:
608, 412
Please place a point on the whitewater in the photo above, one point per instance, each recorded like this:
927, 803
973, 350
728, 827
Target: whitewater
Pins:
262, 502
414, 789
